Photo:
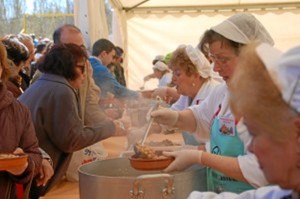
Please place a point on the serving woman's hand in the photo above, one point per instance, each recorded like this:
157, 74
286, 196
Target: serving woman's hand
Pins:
165, 116
19, 170
183, 159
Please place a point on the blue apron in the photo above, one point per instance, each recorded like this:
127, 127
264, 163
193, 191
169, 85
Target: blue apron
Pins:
222, 143
189, 139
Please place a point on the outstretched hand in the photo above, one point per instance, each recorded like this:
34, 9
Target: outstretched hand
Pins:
183, 159
165, 116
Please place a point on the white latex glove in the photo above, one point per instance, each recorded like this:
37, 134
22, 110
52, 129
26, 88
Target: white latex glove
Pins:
183, 159
189, 147
165, 116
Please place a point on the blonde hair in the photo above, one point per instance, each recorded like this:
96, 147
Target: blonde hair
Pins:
180, 60
256, 97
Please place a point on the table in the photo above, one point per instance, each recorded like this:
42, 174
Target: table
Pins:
114, 146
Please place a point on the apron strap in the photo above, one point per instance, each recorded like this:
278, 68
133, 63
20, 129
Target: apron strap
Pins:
215, 114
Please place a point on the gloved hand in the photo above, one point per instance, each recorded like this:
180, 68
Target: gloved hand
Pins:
189, 147
165, 116
183, 159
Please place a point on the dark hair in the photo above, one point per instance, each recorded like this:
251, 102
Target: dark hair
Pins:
61, 60
40, 47
49, 45
211, 36
102, 45
16, 50
119, 51
59, 30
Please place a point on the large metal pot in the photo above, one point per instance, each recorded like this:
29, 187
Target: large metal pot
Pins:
116, 179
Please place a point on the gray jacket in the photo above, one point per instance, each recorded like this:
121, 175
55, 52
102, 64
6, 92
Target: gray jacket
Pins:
55, 110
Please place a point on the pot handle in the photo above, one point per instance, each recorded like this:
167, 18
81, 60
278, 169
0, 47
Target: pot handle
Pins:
137, 193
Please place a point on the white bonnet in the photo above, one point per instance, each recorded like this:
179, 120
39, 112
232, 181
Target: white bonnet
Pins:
289, 74
199, 60
284, 68
160, 66
159, 58
243, 28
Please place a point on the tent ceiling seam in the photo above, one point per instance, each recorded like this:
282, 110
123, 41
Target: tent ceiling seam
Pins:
219, 8
135, 6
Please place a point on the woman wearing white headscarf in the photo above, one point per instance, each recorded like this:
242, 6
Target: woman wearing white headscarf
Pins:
271, 117
194, 80
162, 73
231, 167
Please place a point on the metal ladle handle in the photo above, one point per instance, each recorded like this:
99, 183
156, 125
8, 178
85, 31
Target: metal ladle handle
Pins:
149, 124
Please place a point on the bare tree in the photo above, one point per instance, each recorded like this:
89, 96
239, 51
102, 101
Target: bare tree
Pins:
43, 17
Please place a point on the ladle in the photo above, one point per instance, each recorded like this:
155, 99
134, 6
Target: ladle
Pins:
150, 123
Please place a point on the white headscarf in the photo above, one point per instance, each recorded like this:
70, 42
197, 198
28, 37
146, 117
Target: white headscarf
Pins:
285, 71
289, 74
243, 28
160, 66
199, 60
203, 66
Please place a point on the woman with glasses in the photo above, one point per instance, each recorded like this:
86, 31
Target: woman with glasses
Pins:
272, 117
230, 166
54, 103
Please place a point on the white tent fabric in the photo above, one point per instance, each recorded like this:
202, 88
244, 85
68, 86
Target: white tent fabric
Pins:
152, 34
158, 27
91, 18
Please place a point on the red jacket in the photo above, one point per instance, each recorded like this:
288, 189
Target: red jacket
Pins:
16, 130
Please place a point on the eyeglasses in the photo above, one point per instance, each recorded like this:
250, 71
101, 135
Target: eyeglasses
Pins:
220, 59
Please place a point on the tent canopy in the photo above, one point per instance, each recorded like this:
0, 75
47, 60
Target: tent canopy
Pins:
192, 4
146, 28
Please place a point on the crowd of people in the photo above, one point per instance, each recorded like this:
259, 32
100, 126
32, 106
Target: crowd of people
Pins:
235, 97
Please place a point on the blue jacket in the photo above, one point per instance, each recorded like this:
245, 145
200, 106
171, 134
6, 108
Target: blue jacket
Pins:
106, 81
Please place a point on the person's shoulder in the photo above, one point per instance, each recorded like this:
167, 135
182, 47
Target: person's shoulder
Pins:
97, 65
219, 89
267, 192
19, 107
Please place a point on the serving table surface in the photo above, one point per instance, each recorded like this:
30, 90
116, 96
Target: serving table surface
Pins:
114, 146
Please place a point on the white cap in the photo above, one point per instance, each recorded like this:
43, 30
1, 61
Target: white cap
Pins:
199, 60
289, 74
243, 28
159, 58
284, 70
160, 66
270, 57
